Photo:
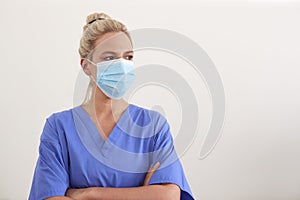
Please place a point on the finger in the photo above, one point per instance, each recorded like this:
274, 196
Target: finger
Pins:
150, 173
155, 167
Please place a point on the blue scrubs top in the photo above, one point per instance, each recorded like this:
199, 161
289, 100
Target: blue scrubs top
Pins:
72, 154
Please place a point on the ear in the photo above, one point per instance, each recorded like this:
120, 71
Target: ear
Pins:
84, 64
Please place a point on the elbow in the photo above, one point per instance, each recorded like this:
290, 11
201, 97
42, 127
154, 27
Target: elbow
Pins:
172, 192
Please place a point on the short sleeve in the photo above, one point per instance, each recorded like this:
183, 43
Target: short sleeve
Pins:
170, 170
51, 173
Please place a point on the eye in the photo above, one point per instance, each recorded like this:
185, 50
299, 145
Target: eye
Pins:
129, 57
109, 58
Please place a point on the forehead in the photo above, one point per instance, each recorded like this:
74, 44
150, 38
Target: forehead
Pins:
114, 41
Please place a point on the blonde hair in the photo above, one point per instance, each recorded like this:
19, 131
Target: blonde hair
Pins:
95, 28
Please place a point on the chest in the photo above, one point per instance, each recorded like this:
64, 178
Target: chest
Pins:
88, 172
120, 161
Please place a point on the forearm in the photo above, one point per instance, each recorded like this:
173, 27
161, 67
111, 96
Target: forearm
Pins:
151, 192
59, 198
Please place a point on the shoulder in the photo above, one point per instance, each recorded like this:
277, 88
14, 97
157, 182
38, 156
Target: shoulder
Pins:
157, 124
60, 117
56, 123
149, 119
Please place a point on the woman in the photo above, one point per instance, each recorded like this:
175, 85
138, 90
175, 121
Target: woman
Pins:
107, 148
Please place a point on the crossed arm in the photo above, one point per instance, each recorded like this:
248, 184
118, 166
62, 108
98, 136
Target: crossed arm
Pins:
145, 192
152, 192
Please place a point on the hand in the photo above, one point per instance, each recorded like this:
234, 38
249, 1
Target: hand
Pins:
78, 194
150, 173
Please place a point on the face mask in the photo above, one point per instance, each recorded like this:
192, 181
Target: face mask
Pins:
114, 77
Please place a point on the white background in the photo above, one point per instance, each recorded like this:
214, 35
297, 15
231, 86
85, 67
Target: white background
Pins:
254, 45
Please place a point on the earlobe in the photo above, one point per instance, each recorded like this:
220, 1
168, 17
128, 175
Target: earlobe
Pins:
84, 65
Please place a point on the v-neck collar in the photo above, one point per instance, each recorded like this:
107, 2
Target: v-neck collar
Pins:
95, 129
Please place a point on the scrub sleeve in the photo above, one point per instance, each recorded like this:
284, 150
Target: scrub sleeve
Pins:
170, 170
51, 173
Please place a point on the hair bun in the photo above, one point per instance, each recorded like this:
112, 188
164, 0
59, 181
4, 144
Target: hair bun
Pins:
94, 16
94, 28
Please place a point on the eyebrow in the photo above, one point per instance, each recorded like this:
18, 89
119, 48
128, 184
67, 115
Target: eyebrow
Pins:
112, 52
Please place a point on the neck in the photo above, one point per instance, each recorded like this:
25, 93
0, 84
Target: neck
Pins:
101, 105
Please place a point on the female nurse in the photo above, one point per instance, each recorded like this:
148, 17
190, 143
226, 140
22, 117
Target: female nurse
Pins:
107, 148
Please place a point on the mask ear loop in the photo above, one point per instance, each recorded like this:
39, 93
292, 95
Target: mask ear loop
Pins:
90, 94
91, 61
91, 77
90, 88
91, 97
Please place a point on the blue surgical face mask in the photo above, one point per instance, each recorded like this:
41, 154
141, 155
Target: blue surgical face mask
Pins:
114, 77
